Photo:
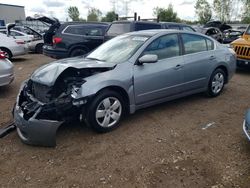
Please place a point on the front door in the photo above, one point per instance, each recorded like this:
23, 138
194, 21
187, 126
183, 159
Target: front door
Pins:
161, 79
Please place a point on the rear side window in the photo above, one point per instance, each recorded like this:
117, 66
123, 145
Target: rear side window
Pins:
210, 44
83, 30
194, 43
77, 30
164, 47
187, 28
174, 27
118, 28
15, 34
144, 26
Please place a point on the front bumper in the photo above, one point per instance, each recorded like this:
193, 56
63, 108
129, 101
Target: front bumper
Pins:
244, 63
246, 125
35, 132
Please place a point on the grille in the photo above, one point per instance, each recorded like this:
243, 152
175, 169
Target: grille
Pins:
41, 92
242, 50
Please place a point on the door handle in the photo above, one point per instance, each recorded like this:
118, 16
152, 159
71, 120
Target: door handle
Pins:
177, 67
212, 57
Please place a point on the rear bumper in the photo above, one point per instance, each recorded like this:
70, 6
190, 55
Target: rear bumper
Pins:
54, 53
6, 79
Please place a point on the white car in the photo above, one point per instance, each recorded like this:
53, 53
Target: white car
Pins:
33, 43
6, 70
11, 46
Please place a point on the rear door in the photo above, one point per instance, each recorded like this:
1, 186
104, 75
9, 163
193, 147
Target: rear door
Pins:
198, 57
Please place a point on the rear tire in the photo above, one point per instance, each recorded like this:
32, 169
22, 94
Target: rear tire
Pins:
77, 52
105, 111
39, 48
7, 52
216, 83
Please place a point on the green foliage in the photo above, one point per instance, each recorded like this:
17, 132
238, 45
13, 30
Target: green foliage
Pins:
94, 14
203, 11
73, 13
246, 12
110, 17
223, 9
166, 14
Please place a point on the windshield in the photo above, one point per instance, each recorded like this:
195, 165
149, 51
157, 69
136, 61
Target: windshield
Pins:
118, 29
118, 49
248, 31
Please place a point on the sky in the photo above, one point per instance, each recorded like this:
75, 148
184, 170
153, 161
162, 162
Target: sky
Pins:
144, 8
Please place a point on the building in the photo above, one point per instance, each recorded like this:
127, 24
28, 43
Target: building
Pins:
11, 13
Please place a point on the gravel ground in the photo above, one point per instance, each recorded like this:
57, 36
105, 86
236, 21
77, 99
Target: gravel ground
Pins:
191, 142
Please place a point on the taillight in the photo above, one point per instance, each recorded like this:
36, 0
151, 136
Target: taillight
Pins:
57, 40
20, 42
2, 55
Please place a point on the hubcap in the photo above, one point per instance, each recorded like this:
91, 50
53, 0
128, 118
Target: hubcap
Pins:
217, 83
108, 112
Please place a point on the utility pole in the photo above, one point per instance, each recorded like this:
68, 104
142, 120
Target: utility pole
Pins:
126, 7
113, 2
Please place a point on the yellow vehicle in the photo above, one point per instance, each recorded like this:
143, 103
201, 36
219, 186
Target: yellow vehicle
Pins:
242, 48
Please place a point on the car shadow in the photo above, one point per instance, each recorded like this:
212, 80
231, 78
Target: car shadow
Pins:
245, 71
18, 59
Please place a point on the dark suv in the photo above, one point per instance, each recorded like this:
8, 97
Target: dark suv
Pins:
74, 39
178, 26
120, 27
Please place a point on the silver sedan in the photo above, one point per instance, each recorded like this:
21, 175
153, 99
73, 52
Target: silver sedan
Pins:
125, 74
6, 70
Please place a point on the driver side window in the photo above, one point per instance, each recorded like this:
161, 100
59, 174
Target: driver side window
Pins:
164, 47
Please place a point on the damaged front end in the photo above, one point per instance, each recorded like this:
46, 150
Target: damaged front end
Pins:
41, 109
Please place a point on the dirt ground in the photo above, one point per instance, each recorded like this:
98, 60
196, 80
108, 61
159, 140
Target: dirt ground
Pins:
165, 146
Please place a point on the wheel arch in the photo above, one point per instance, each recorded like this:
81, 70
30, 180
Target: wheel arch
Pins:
119, 90
7, 49
78, 46
224, 68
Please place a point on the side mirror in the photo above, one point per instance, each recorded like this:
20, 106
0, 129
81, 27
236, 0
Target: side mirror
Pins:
148, 58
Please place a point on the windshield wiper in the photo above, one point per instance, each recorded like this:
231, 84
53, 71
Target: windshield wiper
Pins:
92, 58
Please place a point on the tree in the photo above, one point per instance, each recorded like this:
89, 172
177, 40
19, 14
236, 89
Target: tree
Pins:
246, 12
73, 13
94, 14
110, 17
166, 14
203, 11
224, 9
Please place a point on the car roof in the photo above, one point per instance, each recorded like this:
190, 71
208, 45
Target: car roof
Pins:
153, 32
83, 23
128, 21
174, 23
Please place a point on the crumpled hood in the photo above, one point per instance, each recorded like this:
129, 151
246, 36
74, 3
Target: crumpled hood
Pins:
48, 74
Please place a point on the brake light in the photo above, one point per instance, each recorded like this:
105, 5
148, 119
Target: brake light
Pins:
20, 42
2, 55
57, 40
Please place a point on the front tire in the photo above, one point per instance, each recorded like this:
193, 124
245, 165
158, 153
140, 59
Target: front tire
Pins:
105, 111
216, 83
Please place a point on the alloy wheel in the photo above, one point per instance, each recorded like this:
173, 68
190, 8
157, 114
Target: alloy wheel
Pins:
108, 112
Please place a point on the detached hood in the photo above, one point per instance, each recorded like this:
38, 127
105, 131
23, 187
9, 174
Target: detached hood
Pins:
48, 74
